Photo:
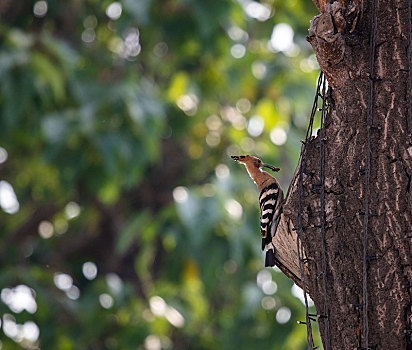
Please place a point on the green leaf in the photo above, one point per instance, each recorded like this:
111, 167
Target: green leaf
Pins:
48, 73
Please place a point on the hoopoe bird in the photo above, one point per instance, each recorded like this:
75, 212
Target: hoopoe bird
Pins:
270, 201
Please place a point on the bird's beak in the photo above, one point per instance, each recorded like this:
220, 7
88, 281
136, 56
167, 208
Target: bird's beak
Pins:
235, 158
271, 167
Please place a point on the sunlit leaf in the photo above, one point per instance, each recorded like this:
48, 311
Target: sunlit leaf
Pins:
178, 86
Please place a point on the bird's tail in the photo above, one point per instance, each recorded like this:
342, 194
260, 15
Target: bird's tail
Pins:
270, 255
265, 241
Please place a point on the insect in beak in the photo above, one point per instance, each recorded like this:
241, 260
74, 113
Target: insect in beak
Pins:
235, 158
271, 167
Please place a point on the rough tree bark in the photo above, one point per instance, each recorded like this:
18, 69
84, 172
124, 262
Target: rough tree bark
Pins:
340, 37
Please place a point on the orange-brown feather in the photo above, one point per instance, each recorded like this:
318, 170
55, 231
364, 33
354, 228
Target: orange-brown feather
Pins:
259, 176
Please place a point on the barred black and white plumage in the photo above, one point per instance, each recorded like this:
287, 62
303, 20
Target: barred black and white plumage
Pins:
267, 201
270, 201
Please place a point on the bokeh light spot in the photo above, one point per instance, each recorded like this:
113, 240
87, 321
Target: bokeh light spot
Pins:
90, 22
9, 326
278, 136
262, 277
19, 298
31, 331
213, 139
237, 34
238, 51
261, 12
283, 315
269, 287
232, 115
180, 194
45, 229
213, 122
89, 270
114, 282
243, 105
73, 293
63, 281
8, 199
268, 303
152, 342
188, 104
309, 64
3, 155
234, 208
88, 35
174, 317
282, 37
255, 126
72, 210
259, 70
40, 8
114, 10
132, 46
222, 171
158, 306
106, 300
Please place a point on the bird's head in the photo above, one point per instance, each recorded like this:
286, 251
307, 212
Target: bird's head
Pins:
253, 161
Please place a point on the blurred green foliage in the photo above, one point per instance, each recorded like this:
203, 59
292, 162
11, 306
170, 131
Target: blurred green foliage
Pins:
133, 228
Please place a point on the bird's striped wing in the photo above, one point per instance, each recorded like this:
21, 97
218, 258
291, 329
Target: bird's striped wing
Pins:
268, 200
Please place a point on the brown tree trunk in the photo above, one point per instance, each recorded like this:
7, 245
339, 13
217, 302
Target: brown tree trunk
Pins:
340, 37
